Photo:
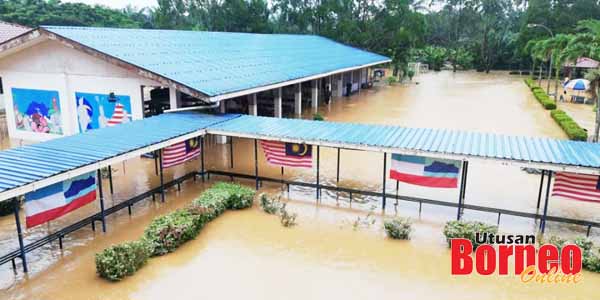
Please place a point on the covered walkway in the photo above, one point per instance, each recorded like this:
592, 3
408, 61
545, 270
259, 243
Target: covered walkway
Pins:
28, 168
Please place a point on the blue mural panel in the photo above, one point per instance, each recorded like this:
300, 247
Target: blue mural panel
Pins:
37, 110
98, 111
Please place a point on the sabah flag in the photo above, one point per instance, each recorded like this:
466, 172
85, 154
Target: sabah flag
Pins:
56, 200
431, 172
288, 154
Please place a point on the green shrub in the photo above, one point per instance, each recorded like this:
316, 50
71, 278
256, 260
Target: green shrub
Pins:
391, 80
467, 230
318, 117
569, 126
530, 83
118, 261
543, 98
269, 205
591, 254
584, 243
237, 196
398, 228
168, 232
287, 219
210, 204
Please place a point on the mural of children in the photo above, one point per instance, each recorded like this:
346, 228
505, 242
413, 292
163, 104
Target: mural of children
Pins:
43, 110
84, 113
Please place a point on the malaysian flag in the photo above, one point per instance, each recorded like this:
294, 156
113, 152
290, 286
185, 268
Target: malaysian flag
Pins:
577, 186
288, 154
180, 152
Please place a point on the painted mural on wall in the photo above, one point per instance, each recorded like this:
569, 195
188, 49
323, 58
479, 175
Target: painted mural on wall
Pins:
37, 110
99, 110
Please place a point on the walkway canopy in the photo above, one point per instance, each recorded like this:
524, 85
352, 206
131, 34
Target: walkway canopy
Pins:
541, 153
28, 168
32, 167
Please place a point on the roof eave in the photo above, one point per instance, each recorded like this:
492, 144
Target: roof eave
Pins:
230, 95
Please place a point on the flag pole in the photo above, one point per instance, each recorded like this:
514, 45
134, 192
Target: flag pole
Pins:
460, 193
101, 198
383, 195
162, 182
540, 190
231, 155
202, 157
543, 223
256, 162
155, 163
318, 169
397, 188
20, 235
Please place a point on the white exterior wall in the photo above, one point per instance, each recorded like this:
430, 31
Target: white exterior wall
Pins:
52, 66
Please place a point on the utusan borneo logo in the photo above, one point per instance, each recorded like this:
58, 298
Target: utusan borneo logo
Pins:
516, 255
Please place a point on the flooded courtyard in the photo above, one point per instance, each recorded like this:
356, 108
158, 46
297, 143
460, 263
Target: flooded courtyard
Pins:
330, 254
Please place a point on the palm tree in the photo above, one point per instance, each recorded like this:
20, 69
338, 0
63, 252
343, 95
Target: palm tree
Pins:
593, 76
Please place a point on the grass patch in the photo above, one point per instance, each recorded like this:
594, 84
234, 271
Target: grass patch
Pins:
166, 233
569, 126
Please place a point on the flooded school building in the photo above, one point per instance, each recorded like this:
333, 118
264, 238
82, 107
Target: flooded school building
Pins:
122, 105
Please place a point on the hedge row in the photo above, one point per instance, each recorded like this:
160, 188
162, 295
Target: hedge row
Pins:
591, 253
166, 233
467, 230
570, 127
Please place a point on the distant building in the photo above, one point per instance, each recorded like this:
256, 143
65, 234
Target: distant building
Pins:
66, 80
7, 32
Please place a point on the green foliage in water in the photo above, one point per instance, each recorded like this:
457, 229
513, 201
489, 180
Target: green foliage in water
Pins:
270, 205
118, 261
543, 98
569, 126
318, 117
286, 218
391, 80
398, 228
166, 233
591, 253
467, 230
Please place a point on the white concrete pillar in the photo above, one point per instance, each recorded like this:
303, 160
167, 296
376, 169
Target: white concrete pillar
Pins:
252, 105
351, 80
277, 111
222, 107
340, 85
174, 98
298, 99
359, 79
315, 95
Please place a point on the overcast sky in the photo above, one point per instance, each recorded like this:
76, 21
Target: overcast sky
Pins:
118, 3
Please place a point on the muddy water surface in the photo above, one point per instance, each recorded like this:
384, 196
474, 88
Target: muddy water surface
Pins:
336, 251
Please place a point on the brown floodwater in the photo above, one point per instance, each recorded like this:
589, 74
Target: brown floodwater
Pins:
338, 249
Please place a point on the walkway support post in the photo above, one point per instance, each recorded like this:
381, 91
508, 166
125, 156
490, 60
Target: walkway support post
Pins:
110, 181
252, 105
318, 170
540, 190
202, 157
101, 198
337, 175
20, 234
340, 85
256, 162
155, 163
384, 179
463, 185
543, 223
231, 155
162, 181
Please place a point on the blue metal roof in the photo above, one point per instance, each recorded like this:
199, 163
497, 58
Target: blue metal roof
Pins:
431, 141
216, 63
28, 164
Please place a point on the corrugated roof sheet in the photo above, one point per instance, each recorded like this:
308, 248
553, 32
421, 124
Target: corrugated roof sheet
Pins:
9, 30
431, 141
216, 63
28, 164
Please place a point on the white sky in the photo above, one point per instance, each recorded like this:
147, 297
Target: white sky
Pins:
118, 3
